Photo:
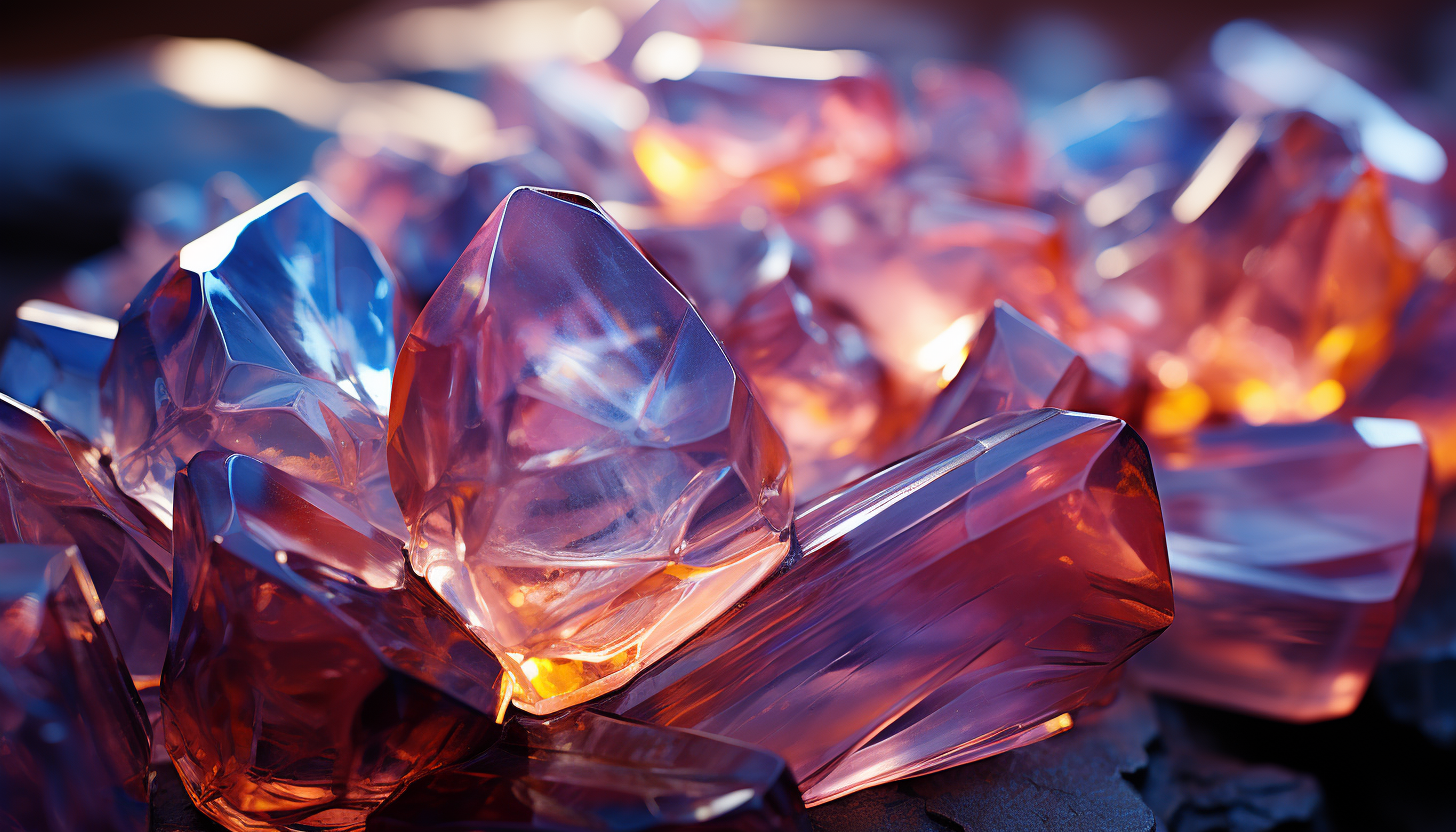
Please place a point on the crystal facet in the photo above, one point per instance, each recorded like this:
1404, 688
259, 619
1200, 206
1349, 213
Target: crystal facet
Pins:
310, 673
585, 770
54, 489
54, 362
73, 738
273, 335
947, 607
1014, 365
586, 477
1293, 548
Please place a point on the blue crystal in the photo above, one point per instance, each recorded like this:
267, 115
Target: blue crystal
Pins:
54, 361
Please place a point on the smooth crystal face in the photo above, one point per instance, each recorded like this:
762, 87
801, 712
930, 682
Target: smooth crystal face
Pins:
582, 769
310, 673
1013, 365
53, 362
1293, 548
55, 490
768, 128
274, 336
950, 606
920, 266
818, 383
969, 120
585, 476
73, 736
718, 265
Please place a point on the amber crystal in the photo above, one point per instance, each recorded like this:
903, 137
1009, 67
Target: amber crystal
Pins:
952, 605
589, 771
54, 489
1293, 548
310, 673
73, 739
53, 362
273, 335
1013, 365
817, 381
586, 478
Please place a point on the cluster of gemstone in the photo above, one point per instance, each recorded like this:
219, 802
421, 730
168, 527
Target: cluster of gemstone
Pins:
805, 454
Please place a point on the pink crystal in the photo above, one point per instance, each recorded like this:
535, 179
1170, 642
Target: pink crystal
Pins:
310, 672
273, 335
585, 476
818, 383
586, 770
1014, 365
950, 606
56, 491
969, 119
717, 265
1293, 548
73, 741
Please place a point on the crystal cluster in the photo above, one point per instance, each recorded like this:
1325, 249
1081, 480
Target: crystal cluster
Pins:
738, 435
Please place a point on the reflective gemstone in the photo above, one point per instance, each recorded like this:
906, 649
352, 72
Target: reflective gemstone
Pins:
738, 125
55, 490
585, 770
73, 738
585, 476
310, 673
969, 119
919, 266
1293, 549
54, 361
950, 606
274, 335
1013, 365
718, 265
817, 381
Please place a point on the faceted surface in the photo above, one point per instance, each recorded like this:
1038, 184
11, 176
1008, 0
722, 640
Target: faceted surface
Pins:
310, 672
54, 361
585, 476
1013, 365
818, 383
273, 335
73, 739
919, 266
55, 490
758, 126
585, 770
950, 606
1293, 548
718, 265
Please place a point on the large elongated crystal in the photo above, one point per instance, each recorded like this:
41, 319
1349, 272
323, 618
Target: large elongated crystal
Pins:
54, 489
310, 673
1293, 549
73, 740
949, 606
585, 476
586, 770
54, 362
273, 335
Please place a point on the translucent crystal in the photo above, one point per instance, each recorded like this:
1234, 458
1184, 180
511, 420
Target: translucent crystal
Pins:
585, 476
952, 605
73, 739
310, 673
273, 335
1294, 548
54, 361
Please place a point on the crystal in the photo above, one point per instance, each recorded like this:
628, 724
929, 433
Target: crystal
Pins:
310, 673
1013, 365
586, 477
953, 605
1293, 548
718, 265
817, 381
970, 120
738, 125
273, 335
54, 362
73, 740
586, 770
57, 491
919, 267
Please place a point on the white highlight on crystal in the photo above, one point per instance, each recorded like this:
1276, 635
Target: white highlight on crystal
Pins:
64, 317
1387, 433
1217, 169
667, 55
